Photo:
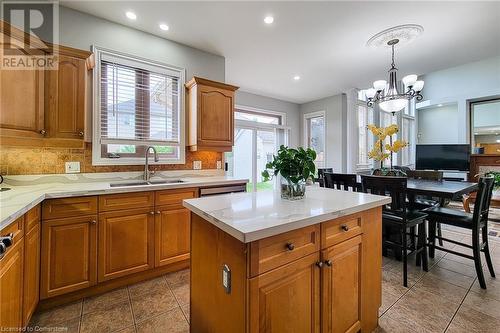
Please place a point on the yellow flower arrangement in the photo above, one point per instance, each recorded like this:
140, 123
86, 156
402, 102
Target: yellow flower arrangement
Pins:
381, 151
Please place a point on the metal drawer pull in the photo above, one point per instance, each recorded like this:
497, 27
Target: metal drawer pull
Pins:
3, 249
344, 227
158, 212
152, 213
80, 133
328, 263
290, 246
93, 222
43, 132
319, 264
7, 240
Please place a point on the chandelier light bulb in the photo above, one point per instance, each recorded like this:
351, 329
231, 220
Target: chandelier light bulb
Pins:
379, 85
418, 86
409, 80
370, 93
393, 105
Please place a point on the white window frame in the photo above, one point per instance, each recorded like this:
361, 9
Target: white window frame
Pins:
359, 166
133, 60
305, 131
412, 141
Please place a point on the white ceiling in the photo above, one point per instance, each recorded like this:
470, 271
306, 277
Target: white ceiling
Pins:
323, 42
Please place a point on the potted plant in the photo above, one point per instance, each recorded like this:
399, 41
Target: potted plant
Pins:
382, 151
295, 166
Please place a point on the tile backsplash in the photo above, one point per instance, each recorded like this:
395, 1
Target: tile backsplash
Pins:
30, 161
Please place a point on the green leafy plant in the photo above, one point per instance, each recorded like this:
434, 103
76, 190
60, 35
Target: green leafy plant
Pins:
293, 164
496, 176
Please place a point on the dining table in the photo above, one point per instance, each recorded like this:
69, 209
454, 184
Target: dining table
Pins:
445, 189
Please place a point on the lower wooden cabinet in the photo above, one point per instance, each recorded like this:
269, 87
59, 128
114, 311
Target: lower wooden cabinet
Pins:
31, 272
126, 242
69, 251
341, 286
11, 287
287, 299
171, 235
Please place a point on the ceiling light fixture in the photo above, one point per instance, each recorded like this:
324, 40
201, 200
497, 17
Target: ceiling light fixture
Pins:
268, 19
164, 27
296, 77
387, 96
131, 15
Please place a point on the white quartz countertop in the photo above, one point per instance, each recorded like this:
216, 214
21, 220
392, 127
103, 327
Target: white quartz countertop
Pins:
253, 216
30, 190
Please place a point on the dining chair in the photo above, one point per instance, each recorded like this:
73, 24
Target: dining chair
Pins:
477, 222
321, 172
341, 181
396, 215
423, 202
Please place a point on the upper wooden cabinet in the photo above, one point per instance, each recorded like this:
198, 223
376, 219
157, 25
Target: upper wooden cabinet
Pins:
65, 102
210, 115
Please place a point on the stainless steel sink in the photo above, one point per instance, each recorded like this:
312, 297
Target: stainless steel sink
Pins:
151, 182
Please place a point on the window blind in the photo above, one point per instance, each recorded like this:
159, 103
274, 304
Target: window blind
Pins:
138, 105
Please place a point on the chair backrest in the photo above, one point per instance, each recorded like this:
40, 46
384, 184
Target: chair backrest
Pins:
483, 198
393, 186
425, 174
340, 181
321, 171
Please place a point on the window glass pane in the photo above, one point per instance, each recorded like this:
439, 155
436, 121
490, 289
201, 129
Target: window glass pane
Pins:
266, 148
365, 143
316, 138
241, 159
258, 117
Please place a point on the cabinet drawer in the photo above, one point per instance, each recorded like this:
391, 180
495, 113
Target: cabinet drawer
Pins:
272, 252
338, 230
32, 218
121, 201
174, 197
69, 207
17, 229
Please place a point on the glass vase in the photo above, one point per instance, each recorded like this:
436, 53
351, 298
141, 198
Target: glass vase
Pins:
292, 191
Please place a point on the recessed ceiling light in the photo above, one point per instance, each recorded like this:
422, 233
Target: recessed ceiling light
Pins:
131, 15
163, 26
268, 19
440, 105
296, 77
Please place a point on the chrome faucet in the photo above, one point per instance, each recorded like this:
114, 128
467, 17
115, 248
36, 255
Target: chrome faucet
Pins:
147, 173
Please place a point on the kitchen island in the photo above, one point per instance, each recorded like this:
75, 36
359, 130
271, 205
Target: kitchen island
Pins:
263, 264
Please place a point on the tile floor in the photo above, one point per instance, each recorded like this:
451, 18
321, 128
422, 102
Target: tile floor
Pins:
445, 299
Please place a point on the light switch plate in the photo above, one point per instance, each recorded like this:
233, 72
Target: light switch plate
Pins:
72, 167
197, 165
219, 164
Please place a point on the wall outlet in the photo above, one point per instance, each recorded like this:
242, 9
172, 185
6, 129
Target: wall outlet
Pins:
219, 164
72, 167
197, 165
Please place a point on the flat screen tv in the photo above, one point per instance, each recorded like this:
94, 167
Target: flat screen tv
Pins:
443, 157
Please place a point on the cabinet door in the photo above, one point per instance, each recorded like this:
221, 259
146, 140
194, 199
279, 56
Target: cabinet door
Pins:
171, 236
69, 252
215, 117
286, 299
341, 287
31, 272
11, 287
126, 242
22, 102
66, 91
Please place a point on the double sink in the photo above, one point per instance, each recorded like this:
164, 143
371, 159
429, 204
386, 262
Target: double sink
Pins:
149, 182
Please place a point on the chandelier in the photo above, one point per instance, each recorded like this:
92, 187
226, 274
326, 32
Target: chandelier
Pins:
387, 95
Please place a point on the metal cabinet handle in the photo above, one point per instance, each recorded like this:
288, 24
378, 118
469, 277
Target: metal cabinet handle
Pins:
344, 227
328, 263
80, 133
43, 132
158, 212
152, 213
7, 240
290, 246
93, 222
319, 264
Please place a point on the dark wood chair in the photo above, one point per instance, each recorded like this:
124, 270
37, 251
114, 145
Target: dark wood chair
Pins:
321, 172
477, 222
397, 215
341, 181
426, 202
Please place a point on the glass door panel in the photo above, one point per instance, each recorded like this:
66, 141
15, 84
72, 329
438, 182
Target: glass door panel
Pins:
266, 148
241, 163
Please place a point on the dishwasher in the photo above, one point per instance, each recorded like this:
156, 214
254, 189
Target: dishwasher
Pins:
214, 190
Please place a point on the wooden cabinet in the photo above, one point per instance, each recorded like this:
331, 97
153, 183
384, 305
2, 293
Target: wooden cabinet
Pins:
341, 286
68, 257
65, 100
31, 263
286, 299
171, 235
210, 115
11, 287
126, 242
